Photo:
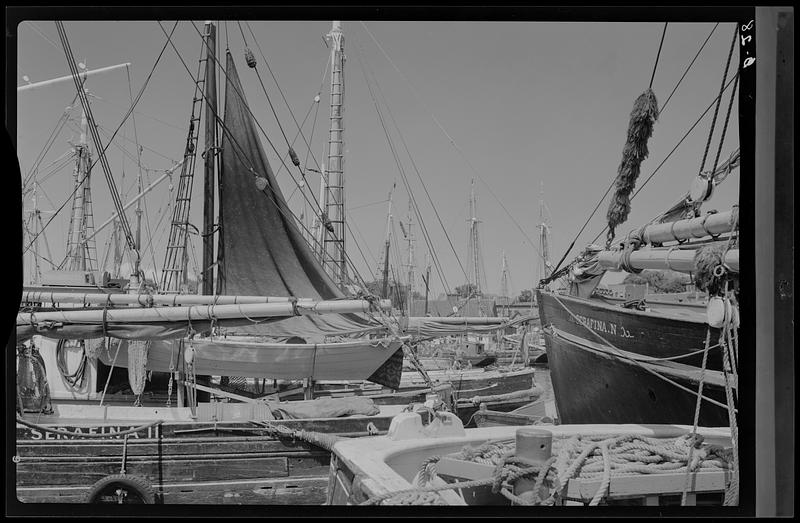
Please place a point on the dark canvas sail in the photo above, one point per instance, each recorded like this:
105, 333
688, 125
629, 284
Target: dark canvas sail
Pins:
261, 248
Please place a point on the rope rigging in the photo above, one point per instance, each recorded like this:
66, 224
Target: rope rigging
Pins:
101, 154
449, 138
407, 184
239, 151
661, 112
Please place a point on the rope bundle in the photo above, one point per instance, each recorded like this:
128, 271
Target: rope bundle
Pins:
579, 457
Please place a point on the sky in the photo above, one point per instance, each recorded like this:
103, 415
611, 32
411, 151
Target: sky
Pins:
522, 108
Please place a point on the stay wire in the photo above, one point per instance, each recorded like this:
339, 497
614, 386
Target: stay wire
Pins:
292, 220
655, 65
402, 173
69, 197
434, 255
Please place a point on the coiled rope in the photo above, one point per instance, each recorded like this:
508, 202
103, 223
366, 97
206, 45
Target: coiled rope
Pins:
578, 458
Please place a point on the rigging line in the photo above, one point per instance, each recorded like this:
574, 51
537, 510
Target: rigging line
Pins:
150, 149
362, 62
366, 246
655, 65
558, 266
162, 122
406, 183
266, 62
151, 247
441, 127
93, 130
676, 146
291, 218
367, 205
661, 111
415, 207
719, 100
52, 169
107, 145
138, 157
725, 125
511, 217
271, 106
50, 140
127, 153
316, 113
41, 33
283, 162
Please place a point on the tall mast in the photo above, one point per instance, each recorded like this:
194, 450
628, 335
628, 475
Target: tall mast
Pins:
210, 89
411, 266
476, 260
385, 289
334, 242
504, 277
544, 232
79, 251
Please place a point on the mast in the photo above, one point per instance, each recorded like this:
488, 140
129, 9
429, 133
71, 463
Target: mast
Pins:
210, 89
475, 256
411, 267
79, 251
504, 276
385, 288
334, 208
544, 232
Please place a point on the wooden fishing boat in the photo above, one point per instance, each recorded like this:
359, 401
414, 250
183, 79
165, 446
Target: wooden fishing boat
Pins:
441, 463
117, 454
652, 358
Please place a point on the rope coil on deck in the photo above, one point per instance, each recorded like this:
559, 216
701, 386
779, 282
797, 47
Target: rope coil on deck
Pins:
583, 458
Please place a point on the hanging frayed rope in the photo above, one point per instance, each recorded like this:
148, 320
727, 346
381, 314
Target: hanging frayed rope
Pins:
640, 128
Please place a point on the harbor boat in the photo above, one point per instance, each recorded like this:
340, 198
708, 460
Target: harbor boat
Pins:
439, 462
642, 357
269, 310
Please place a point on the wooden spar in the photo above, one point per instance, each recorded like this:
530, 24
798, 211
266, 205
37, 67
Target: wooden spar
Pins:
149, 299
210, 89
681, 260
200, 312
459, 320
708, 225
84, 74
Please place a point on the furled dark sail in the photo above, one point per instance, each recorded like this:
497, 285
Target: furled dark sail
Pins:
261, 249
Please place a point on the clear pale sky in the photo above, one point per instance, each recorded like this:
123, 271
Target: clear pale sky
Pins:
530, 104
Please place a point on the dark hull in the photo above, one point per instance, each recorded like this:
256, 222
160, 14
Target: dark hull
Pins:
593, 387
630, 330
186, 463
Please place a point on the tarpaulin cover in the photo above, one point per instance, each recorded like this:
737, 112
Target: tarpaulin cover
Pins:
261, 249
327, 408
452, 326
